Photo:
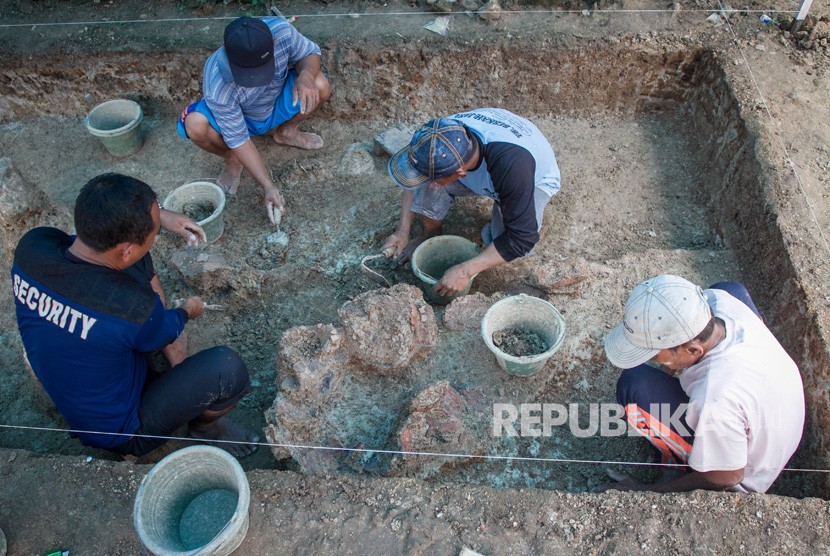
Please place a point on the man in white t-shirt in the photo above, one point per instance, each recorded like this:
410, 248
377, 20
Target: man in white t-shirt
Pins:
725, 398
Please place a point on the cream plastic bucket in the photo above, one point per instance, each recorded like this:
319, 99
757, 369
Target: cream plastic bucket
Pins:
529, 313
201, 192
436, 256
170, 512
117, 123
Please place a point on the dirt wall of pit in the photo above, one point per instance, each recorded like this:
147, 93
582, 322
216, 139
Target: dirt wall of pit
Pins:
752, 195
756, 206
369, 83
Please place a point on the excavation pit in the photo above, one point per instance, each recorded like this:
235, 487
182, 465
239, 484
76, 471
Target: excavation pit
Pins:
663, 170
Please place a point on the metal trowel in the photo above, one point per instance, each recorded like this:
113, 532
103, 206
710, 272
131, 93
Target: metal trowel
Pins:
373, 275
279, 237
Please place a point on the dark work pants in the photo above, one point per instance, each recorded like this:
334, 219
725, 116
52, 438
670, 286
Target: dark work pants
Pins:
211, 380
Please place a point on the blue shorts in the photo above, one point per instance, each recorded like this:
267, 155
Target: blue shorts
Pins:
284, 110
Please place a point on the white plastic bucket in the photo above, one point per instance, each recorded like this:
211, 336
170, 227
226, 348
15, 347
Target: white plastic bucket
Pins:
529, 313
436, 256
199, 193
117, 124
184, 506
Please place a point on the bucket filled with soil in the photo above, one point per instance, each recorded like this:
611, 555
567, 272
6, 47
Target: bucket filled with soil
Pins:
203, 201
117, 124
523, 332
436, 256
194, 501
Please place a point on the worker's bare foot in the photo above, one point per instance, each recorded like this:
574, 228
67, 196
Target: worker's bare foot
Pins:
293, 137
228, 180
232, 437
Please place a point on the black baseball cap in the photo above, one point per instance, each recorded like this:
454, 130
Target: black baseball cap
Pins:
249, 45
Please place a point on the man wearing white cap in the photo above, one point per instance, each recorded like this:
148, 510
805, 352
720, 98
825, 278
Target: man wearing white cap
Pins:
722, 397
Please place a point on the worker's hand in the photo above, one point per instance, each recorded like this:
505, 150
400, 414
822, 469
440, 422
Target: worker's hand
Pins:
621, 482
453, 281
194, 306
273, 203
176, 351
395, 244
182, 226
306, 93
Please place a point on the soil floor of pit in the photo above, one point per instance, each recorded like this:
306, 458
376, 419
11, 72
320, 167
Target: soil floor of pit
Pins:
609, 164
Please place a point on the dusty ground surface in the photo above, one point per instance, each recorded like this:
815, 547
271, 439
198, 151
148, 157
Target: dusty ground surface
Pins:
341, 206
89, 506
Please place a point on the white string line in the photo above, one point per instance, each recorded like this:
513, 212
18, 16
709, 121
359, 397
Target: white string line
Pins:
434, 454
386, 14
780, 140
720, 10
388, 452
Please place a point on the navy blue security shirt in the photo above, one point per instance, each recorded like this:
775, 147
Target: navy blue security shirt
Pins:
85, 328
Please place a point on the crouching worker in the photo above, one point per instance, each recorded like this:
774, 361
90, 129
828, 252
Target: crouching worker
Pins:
722, 397
488, 152
90, 310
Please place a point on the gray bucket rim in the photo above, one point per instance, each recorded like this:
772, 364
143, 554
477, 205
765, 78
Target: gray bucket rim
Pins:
242, 504
523, 298
217, 211
429, 242
139, 115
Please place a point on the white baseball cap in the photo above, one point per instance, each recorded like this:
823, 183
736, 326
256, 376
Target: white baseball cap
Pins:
663, 312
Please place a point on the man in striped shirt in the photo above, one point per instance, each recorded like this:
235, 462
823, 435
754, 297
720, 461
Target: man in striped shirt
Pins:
266, 78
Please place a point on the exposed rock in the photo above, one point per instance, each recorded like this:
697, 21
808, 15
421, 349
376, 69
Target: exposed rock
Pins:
192, 262
203, 269
311, 362
569, 277
392, 140
440, 25
207, 272
357, 161
311, 368
328, 378
385, 328
491, 11
278, 238
440, 421
294, 423
24, 206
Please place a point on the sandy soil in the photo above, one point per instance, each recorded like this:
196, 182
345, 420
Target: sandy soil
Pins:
340, 211
51, 503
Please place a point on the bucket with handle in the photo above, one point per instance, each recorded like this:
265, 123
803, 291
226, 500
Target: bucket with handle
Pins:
526, 316
436, 256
